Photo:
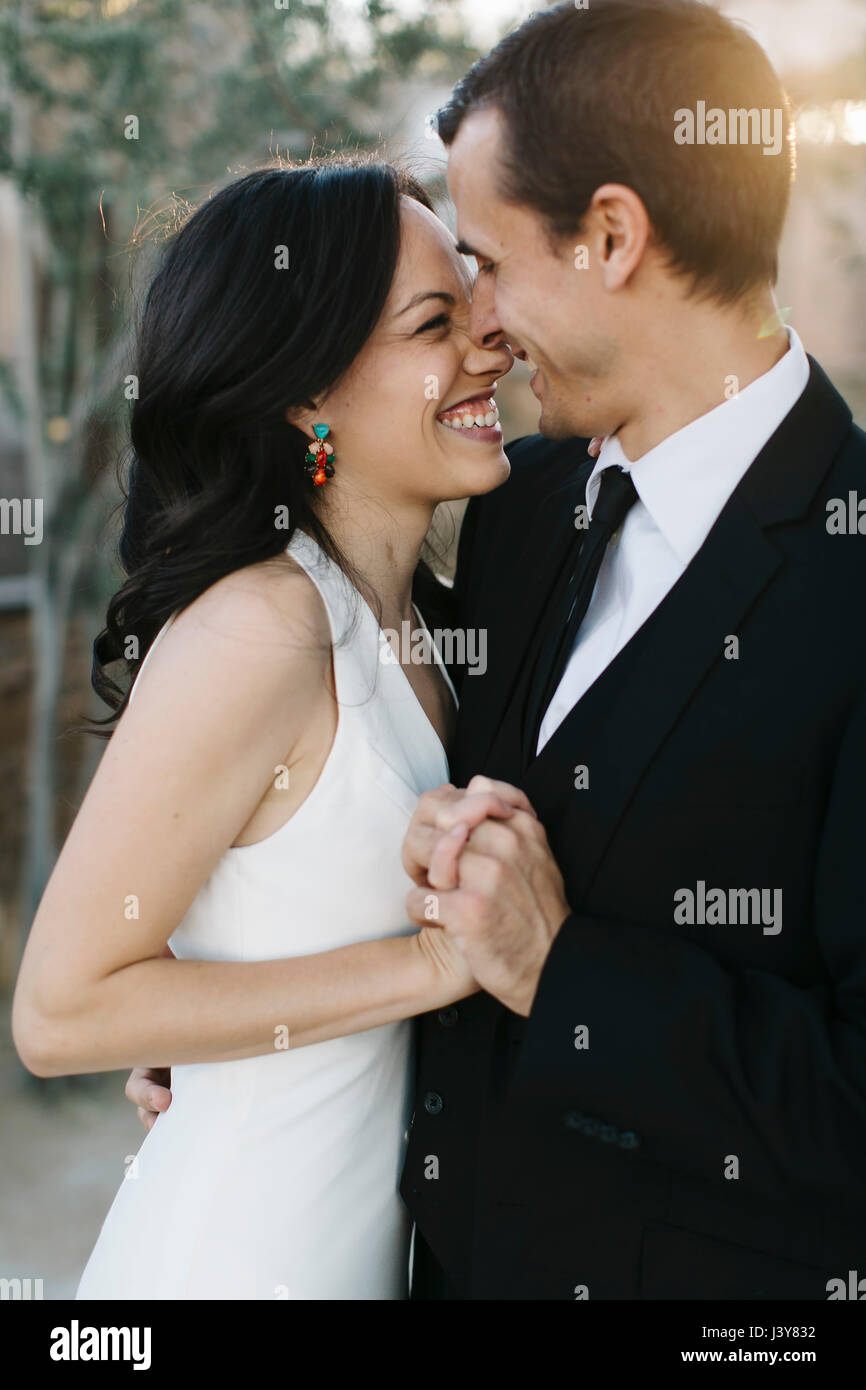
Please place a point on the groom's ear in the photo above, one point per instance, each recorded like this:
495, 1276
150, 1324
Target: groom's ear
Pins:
623, 230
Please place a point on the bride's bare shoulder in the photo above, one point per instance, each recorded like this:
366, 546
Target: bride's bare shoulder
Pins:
272, 605
259, 633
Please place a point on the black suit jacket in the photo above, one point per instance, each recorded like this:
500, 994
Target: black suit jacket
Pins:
710, 1140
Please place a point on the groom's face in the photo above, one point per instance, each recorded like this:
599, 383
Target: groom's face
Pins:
549, 311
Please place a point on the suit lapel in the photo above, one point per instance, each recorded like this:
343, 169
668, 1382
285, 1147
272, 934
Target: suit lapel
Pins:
618, 726
526, 579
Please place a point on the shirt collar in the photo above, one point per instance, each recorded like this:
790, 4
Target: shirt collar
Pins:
685, 481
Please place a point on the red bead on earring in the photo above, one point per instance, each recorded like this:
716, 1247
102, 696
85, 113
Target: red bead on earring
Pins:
319, 458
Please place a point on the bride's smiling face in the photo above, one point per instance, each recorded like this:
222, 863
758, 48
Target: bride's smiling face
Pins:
392, 417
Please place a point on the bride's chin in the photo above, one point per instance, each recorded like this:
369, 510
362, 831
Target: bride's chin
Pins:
488, 475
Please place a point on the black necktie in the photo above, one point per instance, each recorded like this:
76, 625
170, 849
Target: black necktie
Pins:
615, 495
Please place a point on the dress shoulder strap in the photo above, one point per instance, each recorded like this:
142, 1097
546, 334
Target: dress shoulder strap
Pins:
359, 647
151, 649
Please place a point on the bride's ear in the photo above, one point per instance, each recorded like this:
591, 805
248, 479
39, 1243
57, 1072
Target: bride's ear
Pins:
303, 417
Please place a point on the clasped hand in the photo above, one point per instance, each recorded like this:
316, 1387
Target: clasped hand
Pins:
486, 878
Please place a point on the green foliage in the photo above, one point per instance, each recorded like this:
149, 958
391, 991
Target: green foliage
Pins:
214, 86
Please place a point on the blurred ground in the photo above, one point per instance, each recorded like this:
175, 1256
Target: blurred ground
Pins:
62, 1150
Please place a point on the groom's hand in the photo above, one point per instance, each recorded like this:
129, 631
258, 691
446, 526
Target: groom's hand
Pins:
149, 1089
498, 892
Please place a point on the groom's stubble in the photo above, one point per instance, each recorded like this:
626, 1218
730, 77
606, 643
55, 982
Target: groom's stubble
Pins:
581, 401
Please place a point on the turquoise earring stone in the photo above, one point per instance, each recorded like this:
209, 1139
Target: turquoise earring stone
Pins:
321, 430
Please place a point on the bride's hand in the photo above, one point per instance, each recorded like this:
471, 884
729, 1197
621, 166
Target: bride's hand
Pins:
482, 798
449, 967
437, 946
464, 814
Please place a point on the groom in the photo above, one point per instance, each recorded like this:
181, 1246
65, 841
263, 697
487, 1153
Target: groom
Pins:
661, 1091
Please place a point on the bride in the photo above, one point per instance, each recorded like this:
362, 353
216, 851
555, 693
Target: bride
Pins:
230, 901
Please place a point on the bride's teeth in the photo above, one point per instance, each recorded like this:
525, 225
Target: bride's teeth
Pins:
466, 421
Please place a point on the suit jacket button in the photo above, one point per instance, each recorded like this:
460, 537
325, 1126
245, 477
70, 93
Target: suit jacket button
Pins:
628, 1140
433, 1103
608, 1134
574, 1119
448, 1017
591, 1127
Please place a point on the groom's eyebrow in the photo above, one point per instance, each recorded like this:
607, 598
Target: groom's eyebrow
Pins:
426, 294
466, 250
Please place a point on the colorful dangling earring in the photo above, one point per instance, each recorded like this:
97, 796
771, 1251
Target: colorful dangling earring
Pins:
319, 458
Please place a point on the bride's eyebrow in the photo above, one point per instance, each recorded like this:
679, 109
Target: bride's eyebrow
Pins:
426, 294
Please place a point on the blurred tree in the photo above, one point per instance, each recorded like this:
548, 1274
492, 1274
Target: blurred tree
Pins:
116, 112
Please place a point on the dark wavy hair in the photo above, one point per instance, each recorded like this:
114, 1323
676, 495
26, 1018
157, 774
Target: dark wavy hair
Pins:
227, 343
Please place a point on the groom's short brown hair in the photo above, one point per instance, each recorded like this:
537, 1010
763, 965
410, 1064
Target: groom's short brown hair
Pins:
589, 96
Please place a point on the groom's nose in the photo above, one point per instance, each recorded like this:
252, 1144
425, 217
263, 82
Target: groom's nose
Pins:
484, 327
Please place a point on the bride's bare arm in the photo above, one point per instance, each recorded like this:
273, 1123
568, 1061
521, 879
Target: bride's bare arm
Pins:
224, 701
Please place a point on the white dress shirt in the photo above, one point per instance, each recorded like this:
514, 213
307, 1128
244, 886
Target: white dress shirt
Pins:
682, 486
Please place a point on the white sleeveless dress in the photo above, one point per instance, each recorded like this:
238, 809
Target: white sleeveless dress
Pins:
277, 1176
